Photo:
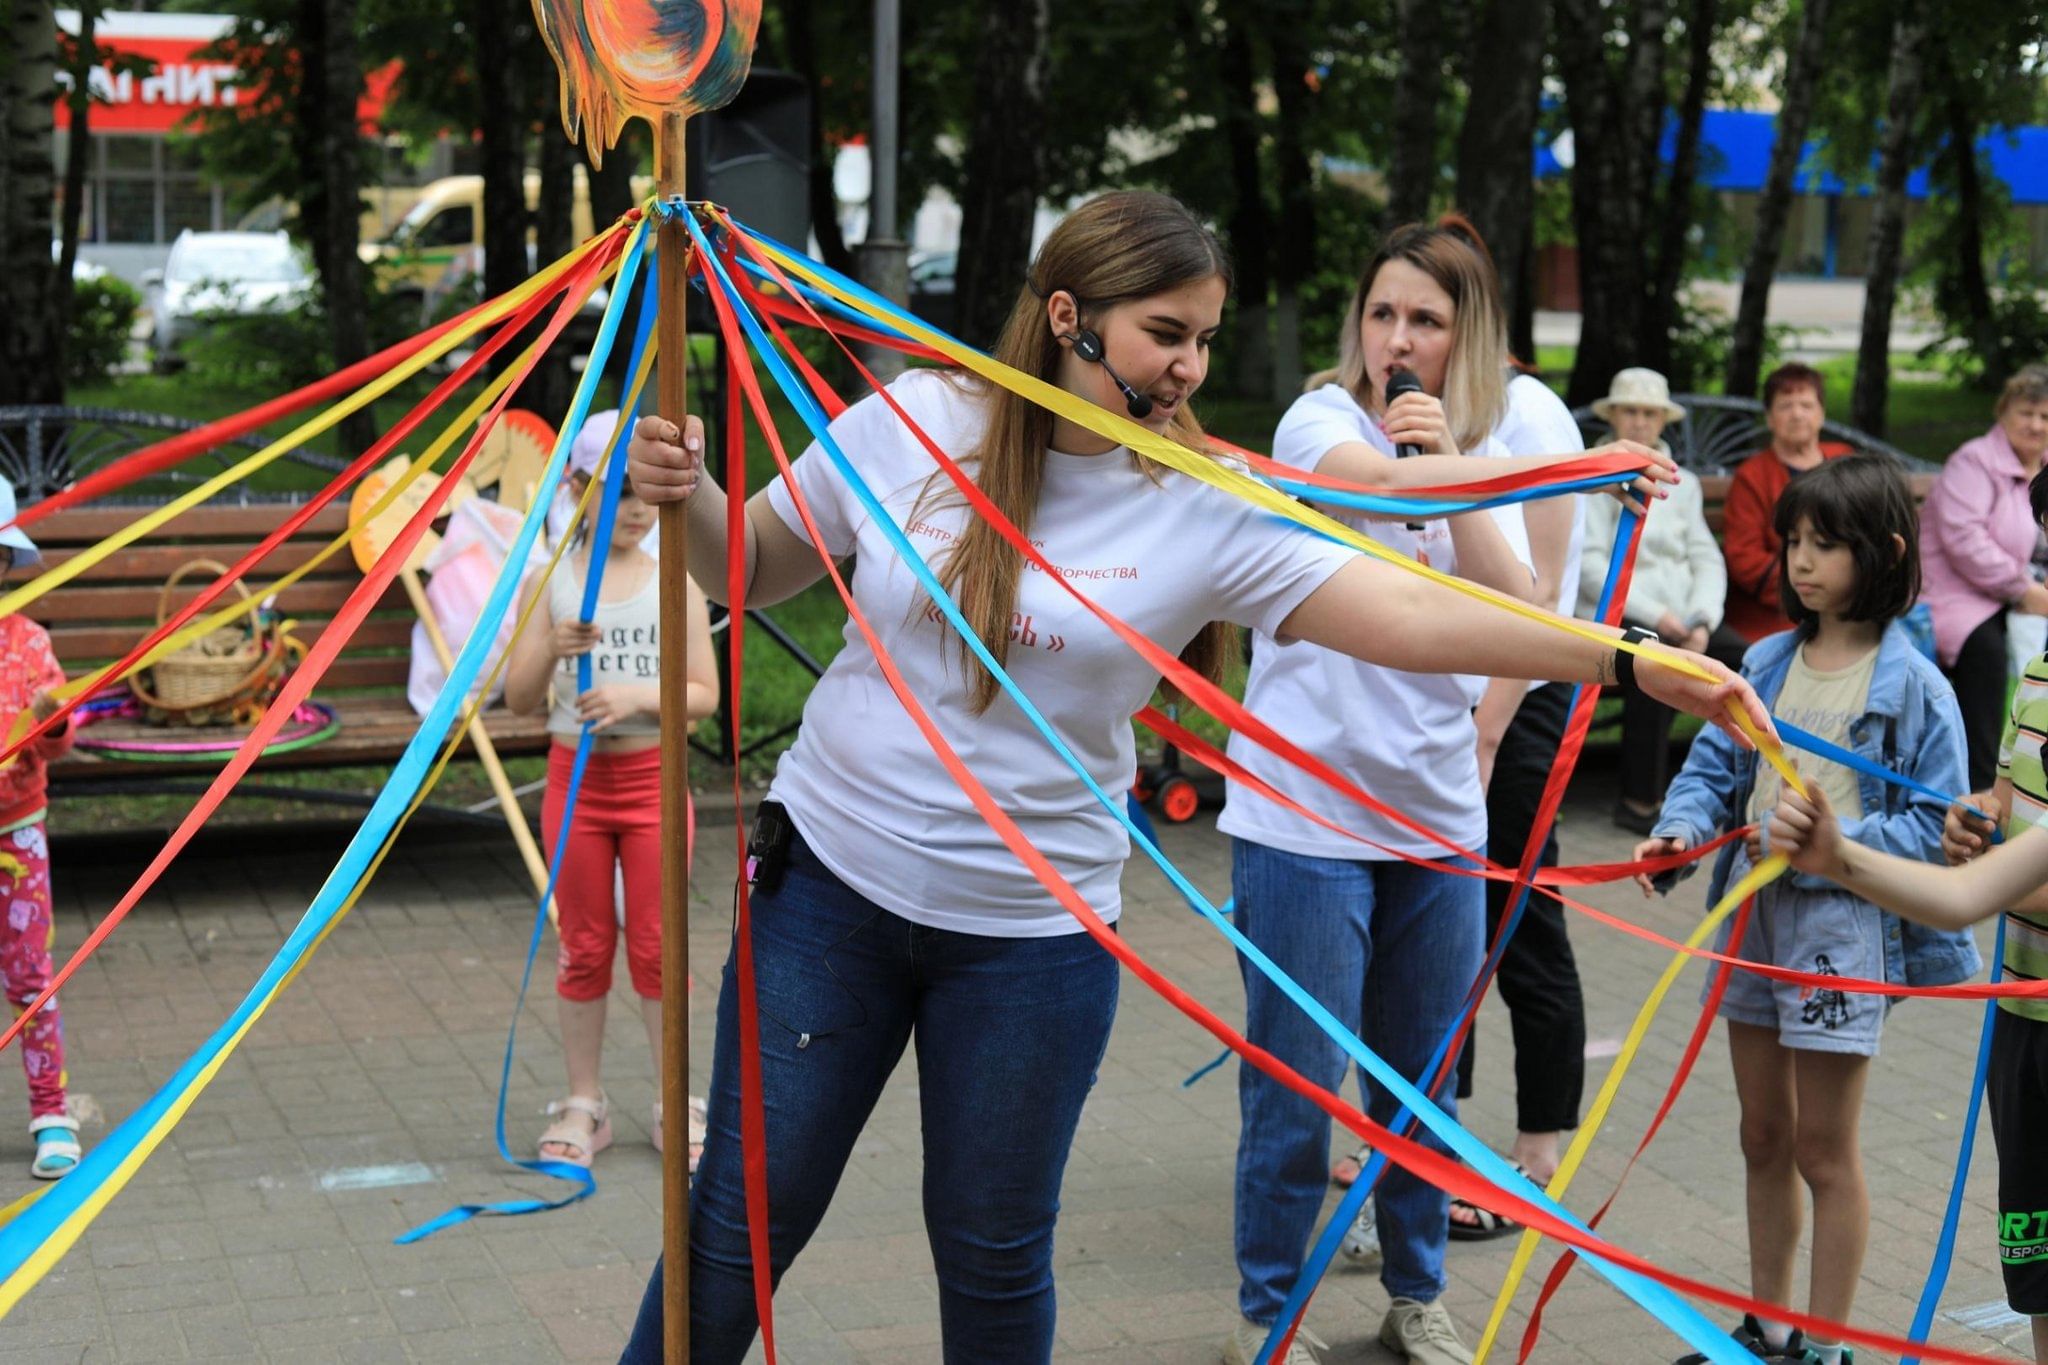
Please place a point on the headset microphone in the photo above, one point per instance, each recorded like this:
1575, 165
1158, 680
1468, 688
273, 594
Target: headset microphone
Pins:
1088, 346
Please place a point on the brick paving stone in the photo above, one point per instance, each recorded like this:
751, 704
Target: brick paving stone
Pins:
228, 1246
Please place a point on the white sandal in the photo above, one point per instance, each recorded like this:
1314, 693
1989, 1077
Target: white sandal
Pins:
57, 1149
699, 1127
566, 1132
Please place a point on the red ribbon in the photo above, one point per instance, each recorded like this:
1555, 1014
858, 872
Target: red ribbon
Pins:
301, 680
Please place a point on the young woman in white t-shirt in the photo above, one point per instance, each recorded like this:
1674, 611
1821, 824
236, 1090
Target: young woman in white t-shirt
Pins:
895, 915
1391, 948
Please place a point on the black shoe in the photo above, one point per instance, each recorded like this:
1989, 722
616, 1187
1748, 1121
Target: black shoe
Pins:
1750, 1337
1636, 821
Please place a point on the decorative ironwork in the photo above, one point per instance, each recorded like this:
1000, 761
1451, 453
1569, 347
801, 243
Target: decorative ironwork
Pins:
45, 449
1717, 434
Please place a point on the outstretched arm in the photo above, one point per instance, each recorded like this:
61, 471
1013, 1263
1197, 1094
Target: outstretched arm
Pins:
1805, 831
1383, 615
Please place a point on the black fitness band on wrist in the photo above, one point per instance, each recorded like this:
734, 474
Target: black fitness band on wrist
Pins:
1625, 662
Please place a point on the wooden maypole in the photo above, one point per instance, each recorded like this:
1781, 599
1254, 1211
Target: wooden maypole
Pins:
624, 59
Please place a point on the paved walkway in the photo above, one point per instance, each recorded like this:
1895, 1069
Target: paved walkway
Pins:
361, 1104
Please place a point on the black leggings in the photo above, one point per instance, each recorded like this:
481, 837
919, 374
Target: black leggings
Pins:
1646, 729
1539, 979
1979, 680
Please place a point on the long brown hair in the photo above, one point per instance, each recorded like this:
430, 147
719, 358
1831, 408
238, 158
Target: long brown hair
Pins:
1128, 245
1451, 252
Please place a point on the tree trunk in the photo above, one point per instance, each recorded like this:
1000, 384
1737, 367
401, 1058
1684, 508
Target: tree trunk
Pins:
502, 146
1662, 309
1295, 242
77, 151
1616, 120
1802, 79
1888, 218
308, 133
803, 59
1496, 183
341, 274
1975, 291
1003, 166
1251, 219
1411, 161
28, 67
611, 185
553, 223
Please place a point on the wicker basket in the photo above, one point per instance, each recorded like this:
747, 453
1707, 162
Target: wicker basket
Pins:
213, 679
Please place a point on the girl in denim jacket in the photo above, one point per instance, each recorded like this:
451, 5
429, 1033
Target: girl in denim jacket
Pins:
1849, 673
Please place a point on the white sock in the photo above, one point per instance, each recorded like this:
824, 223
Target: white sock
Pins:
1827, 1353
1776, 1334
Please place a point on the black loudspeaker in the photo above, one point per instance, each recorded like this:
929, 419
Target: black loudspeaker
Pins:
754, 156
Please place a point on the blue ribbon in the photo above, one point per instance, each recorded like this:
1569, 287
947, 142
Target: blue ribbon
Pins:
1945, 1244
1332, 1237
615, 474
36, 1224
1659, 1301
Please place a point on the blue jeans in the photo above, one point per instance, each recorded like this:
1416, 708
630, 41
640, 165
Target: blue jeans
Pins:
1009, 1034
1391, 950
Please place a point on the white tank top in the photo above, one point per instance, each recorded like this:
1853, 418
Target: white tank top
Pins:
628, 649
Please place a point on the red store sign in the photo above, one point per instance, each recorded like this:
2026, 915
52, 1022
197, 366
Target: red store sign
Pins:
181, 82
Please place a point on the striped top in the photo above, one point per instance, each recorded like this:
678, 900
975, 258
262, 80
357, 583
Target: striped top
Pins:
2019, 758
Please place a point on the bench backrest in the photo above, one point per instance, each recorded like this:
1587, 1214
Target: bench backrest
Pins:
103, 613
1717, 434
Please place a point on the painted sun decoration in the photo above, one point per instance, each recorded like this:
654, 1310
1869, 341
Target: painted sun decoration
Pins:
624, 59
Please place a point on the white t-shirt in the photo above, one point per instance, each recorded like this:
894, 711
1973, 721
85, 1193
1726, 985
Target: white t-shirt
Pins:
1538, 423
863, 787
1406, 738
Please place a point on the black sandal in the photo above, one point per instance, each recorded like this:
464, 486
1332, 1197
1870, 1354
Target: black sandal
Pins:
1481, 1225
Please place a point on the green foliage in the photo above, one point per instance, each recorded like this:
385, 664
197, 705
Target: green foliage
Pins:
102, 313
1701, 337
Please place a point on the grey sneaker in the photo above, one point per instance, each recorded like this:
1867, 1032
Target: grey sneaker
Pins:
1423, 1333
1241, 1347
1361, 1246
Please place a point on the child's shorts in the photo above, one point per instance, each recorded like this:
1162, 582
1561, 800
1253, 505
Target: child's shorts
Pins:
1827, 933
2018, 1087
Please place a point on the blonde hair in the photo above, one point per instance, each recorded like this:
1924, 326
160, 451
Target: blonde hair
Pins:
1451, 252
1122, 246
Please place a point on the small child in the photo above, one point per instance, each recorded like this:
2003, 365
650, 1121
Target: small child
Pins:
615, 833
1848, 672
29, 673
2012, 879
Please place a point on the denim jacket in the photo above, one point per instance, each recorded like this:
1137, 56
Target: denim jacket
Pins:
1910, 724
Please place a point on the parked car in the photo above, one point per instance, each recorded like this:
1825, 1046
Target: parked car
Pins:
210, 273
931, 288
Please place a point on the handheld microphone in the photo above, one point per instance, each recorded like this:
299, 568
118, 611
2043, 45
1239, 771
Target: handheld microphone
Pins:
1400, 381
1088, 346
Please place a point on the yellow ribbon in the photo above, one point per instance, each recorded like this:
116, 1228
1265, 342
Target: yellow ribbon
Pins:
497, 309
240, 607
1757, 878
1230, 479
65, 1235
1175, 456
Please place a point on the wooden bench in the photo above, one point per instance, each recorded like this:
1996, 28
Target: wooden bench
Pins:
99, 616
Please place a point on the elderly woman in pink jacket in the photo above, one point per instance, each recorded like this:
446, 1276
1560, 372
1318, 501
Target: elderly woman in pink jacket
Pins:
1977, 544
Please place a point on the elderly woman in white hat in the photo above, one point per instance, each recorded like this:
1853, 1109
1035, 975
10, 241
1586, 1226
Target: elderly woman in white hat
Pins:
1678, 589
